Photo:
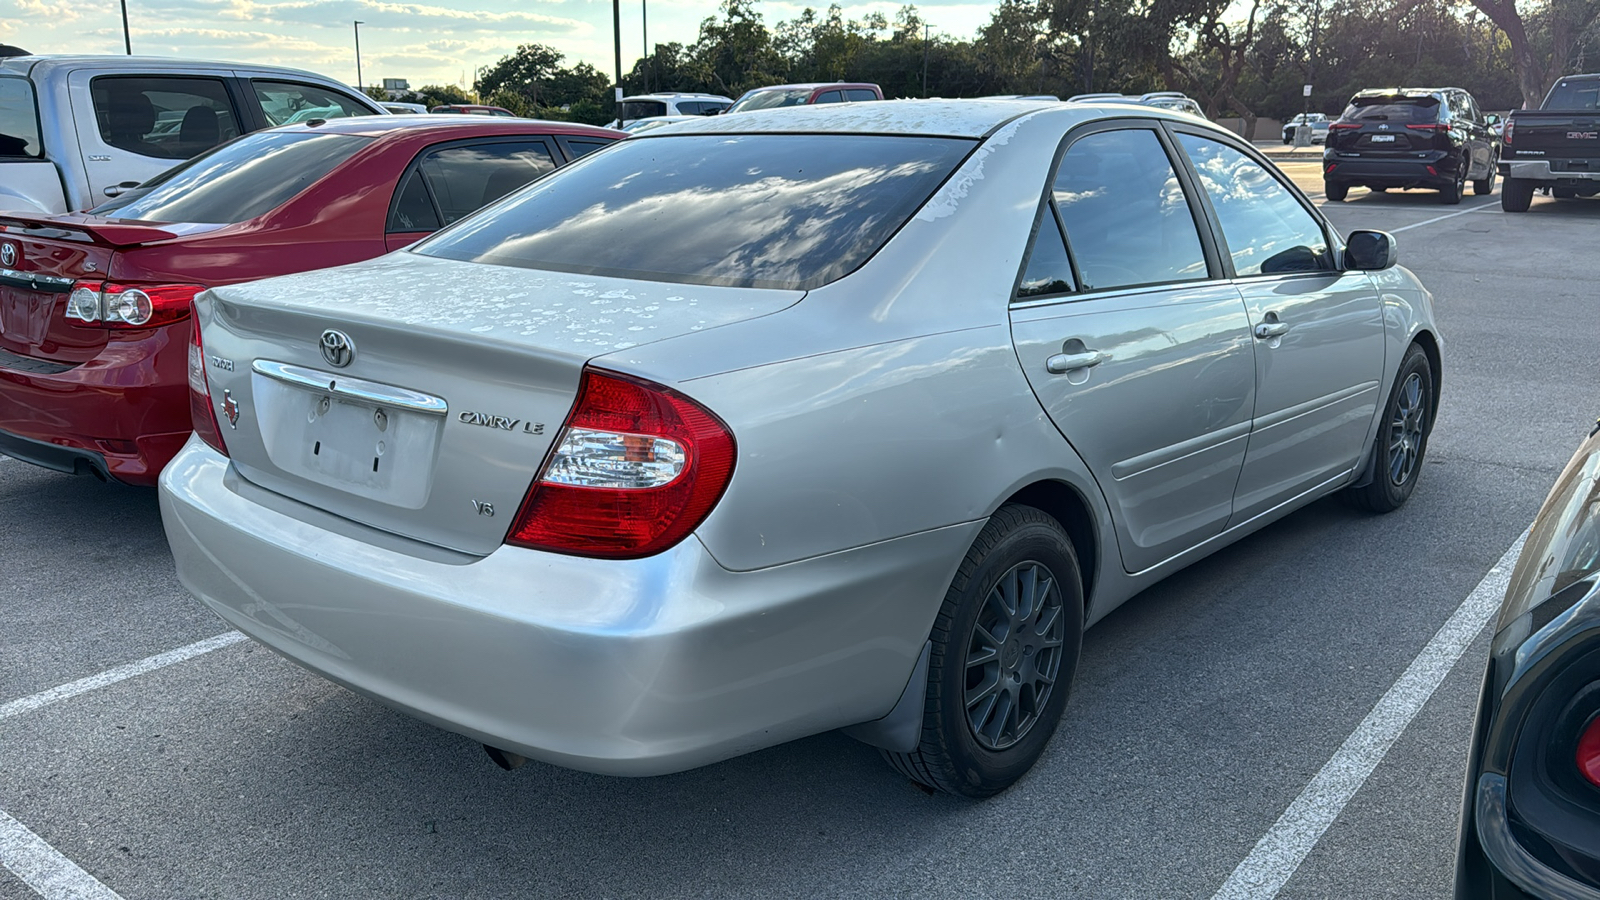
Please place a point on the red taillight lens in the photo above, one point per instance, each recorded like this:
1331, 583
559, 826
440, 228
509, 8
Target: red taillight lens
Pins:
1341, 126
1505, 131
130, 306
1430, 127
636, 468
1589, 752
201, 411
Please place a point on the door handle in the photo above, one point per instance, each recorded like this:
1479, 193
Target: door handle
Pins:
1062, 363
1268, 330
117, 190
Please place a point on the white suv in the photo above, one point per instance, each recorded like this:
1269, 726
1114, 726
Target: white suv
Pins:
650, 106
75, 130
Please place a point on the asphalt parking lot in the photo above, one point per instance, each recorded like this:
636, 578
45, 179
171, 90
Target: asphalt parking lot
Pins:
1202, 711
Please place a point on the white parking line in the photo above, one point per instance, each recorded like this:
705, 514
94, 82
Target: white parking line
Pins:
1287, 843
1440, 218
121, 673
43, 868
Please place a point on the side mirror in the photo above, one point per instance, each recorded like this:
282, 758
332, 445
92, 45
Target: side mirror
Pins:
1370, 251
1491, 119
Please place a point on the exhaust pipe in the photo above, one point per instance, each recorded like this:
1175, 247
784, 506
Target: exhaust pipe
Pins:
505, 759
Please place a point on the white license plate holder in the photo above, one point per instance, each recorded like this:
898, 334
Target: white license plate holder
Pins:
1383, 139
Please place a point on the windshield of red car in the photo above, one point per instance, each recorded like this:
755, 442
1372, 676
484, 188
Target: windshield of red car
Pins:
239, 180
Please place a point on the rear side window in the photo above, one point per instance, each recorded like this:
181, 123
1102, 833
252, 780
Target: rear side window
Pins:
1048, 272
701, 107
577, 147
1402, 110
856, 95
19, 120
167, 118
764, 211
465, 179
1127, 218
238, 181
286, 103
829, 97
1574, 95
643, 109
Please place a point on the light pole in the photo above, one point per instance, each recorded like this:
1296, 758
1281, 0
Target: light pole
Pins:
616, 30
644, 19
358, 57
925, 27
127, 39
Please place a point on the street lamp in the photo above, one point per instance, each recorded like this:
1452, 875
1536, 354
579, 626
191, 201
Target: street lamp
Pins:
127, 39
358, 57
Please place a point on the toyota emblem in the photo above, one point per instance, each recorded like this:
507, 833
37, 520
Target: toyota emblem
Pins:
337, 348
8, 255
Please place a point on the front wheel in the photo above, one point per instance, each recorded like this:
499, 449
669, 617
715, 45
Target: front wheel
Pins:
1402, 437
1516, 194
1005, 646
1335, 191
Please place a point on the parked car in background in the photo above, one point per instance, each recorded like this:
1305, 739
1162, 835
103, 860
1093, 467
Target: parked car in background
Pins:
1556, 147
1317, 121
403, 109
75, 130
653, 106
1530, 823
1434, 138
1175, 101
638, 125
473, 109
805, 94
94, 308
634, 471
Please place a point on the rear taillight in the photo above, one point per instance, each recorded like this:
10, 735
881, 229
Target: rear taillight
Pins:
1505, 131
1589, 752
636, 468
201, 411
1434, 127
115, 305
1342, 126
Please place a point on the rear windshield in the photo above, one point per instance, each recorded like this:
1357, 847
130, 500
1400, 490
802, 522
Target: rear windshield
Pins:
765, 211
770, 99
239, 180
19, 120
643, 109
1404, 110
1574, 95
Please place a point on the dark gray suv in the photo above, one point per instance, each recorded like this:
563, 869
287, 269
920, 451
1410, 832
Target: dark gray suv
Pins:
1434, 138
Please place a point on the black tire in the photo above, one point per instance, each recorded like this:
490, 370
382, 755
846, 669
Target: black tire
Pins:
1335, 191
1484, 186
1402, 440
1450, 194
956, 756
1516, 194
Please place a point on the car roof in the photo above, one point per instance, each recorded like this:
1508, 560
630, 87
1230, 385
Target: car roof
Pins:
931, 118
669, 95
428, 124
42, 65
812, 85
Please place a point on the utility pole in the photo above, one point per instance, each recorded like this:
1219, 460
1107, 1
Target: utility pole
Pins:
359, 86
616, 30
644, 19
127, 39
925, 27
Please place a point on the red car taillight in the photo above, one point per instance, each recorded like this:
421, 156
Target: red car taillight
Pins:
1434, 127
115, 305
635, 469
201, 412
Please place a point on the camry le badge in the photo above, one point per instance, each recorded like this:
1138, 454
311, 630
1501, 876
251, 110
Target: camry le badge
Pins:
8, 255
337, 348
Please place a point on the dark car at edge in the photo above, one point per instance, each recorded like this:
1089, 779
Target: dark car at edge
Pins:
1530, 823
1433, 138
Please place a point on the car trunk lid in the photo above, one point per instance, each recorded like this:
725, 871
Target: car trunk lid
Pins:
1562, 137
433, 406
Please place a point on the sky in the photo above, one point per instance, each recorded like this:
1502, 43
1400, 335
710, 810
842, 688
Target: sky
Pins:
438, 42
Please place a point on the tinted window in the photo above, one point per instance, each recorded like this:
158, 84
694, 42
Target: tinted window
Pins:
701, 107
167, 118
1127, 218
284, 103
1048, 271
1405, 110
829, 97
465, 179
237, 181
857, 95
775, 211
643, 109
19, 121
577, 147
1266, 229
1574, 95
770, 99
413, 208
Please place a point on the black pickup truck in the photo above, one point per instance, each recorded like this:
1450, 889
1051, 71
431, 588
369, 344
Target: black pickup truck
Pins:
1555, 147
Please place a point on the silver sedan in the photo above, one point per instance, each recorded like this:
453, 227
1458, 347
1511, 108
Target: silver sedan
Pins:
757, 426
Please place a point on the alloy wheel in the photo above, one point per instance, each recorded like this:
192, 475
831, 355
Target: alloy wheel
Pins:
1406, 428
1013, 655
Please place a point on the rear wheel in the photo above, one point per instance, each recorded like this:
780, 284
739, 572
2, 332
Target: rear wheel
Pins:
1402, 437
1516, 194
1005, 646
1450, 194
1335, 191
1484, 185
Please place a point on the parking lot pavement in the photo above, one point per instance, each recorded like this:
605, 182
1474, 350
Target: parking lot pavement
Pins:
1203, 707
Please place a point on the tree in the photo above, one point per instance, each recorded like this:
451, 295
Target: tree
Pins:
1561, 24
522, 71
735, 51
443, 95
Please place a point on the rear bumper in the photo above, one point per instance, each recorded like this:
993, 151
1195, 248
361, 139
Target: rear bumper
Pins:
123, 413
1528, 876
1380, 172
635, 667
1540, 170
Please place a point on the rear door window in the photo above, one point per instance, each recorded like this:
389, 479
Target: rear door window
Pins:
577, 147
1048, 272
758, 210
829, 97
643, 109
856, 95
241, 180
19, 120
287, 103
465, 178
1127, 217
165, 118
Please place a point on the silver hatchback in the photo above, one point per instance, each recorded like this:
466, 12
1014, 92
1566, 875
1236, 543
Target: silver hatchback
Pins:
757, 426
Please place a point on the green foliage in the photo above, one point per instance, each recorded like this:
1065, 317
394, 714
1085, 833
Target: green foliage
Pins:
376, 93
441, 95
532, 82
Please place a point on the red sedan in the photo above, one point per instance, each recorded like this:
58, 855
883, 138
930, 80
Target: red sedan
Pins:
94, 307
